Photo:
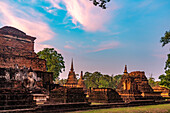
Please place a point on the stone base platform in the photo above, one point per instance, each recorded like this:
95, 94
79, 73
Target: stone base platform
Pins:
67, 107
104, 95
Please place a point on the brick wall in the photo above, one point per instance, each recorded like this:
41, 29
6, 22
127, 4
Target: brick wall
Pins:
16, 50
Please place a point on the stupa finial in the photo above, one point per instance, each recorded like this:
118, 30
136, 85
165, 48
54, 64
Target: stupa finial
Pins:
125, 71
72, 69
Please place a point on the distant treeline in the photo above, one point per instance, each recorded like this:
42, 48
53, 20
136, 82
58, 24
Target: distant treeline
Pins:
98, 80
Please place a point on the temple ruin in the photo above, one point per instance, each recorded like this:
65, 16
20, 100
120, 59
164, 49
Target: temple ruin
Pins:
104, 95
134, 86
23, 76
71, 91
17, 48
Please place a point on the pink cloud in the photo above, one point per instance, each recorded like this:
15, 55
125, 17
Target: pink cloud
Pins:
40, 47
161, 56
85, 13
105, 46
30, 23
68, 47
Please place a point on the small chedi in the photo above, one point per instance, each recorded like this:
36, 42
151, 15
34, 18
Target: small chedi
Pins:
72, 91
72, 80
134, 86
81, 83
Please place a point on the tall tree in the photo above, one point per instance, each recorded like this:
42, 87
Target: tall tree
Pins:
54, 61
165, 40
165, 78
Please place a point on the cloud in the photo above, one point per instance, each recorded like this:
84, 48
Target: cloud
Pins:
161, 56
83, 12
68, 47
40, 47
55, 3
105, 46
28, 22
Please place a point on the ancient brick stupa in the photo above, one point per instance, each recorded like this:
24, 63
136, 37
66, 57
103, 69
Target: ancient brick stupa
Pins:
20, 67
72, 80
71, 91
134, 86
81, 83
16, 47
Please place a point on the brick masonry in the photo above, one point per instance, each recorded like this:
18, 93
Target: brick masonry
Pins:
18, 48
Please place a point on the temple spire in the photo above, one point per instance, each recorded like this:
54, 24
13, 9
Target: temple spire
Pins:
72, 69
81, 76
125, 71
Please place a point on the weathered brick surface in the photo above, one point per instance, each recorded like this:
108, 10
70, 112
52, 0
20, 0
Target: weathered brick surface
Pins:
104, 95
14, 42
134, 86
18, 48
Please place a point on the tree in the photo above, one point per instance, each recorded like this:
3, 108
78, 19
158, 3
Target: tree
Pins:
165, 40
165, 78
151, 81
54, 61
116, 80
100, 3
98, 80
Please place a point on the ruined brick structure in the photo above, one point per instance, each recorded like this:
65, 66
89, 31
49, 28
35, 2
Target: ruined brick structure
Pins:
16, 47
12, 95
104, 95
67, 95
134, 86
72, 80
165, 92
71, 91
81, 83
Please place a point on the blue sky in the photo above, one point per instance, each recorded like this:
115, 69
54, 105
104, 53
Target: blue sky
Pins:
127, 32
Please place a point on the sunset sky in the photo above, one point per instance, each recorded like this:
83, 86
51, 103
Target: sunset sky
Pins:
127, 32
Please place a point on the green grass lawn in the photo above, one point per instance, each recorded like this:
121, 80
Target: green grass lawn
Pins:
162, 108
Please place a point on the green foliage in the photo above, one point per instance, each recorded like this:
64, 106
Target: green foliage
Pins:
61, 82
116, 80
152, 82
100, 3
167, 65
166, 39
54, 61
98, 80
165, 79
